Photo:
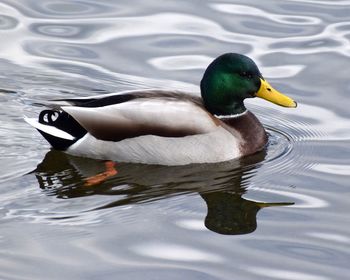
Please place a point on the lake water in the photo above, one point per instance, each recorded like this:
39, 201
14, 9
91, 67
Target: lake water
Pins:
280, 214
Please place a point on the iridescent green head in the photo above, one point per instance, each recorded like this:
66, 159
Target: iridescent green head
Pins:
231, 78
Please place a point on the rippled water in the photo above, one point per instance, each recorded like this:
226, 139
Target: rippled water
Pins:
281, 214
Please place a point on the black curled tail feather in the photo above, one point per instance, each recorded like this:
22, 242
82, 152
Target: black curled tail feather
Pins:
64, 122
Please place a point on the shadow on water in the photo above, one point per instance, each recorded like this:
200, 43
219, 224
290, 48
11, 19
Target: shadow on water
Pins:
222, 186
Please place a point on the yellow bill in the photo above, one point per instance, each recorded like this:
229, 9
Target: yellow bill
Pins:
268, 93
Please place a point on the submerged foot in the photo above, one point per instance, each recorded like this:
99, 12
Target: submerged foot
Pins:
101, 177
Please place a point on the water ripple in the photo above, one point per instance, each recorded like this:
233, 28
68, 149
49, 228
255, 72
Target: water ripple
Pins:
59, 50
252, 11
336, 169
175, 252
65, 30
183, 62
62, 9
153, 220
325, 3
285, 274
7, 22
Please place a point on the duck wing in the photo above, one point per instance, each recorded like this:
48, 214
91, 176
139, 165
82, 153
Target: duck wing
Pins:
131, 114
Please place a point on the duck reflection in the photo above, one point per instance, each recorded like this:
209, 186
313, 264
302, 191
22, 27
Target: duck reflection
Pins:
220, 185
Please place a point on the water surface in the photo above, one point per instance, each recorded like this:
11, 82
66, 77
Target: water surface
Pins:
280, 214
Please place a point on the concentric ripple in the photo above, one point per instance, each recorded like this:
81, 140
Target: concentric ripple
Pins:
290, 152
289, 138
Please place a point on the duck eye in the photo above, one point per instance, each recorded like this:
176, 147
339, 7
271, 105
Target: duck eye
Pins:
246, 75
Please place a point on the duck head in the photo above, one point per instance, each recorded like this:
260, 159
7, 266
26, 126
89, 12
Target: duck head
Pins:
231, 78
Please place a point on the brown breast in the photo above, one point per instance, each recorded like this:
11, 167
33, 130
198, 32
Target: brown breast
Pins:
249, 129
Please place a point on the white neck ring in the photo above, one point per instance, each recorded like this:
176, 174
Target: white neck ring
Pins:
231, 116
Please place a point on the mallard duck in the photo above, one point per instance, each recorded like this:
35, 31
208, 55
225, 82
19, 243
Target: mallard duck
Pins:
167, 127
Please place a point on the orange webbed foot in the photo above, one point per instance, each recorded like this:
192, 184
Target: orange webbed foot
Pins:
101, 177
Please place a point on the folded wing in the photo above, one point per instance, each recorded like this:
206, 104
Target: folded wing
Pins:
168, 117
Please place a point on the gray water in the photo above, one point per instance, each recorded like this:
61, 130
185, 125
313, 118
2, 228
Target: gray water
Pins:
280, 214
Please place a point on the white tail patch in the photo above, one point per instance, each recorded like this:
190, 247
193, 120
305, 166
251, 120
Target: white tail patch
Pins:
54, 131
